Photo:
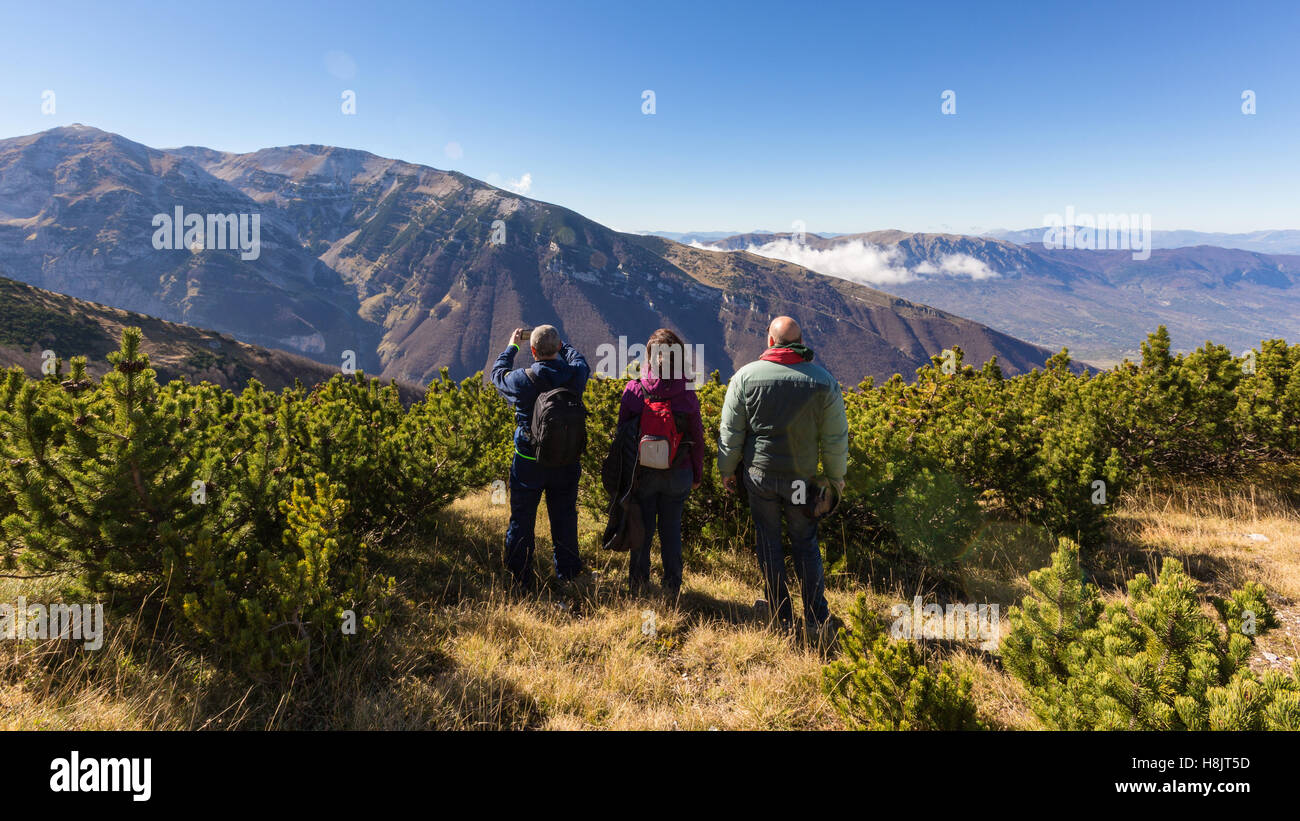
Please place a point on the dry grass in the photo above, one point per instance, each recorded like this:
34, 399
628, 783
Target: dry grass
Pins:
463, 654
607, 660
1210, 528
1215, 530
131, 683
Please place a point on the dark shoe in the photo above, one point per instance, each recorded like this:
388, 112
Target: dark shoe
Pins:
823, 636
583, 584
763, 613
672, 594
523, 588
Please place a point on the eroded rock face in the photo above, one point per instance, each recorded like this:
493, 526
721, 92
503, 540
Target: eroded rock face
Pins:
79, 213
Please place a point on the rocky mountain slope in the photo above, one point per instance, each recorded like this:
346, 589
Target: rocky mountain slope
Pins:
413, 269
33, 320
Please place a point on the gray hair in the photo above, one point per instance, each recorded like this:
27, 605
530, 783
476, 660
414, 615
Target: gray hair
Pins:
545, 341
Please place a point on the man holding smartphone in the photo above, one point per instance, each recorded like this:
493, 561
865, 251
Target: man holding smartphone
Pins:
558, 371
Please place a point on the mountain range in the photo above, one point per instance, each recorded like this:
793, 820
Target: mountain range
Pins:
689, 237
1099, 304
406, 269
1280, 241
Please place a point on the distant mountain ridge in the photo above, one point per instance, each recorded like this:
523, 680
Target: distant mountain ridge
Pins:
1270, 241
1278, 241
412, 269
1099, 304
688, 237
77, 209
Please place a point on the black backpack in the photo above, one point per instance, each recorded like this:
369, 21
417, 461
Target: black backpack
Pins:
559, 431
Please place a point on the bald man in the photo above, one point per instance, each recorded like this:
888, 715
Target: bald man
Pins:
783, 416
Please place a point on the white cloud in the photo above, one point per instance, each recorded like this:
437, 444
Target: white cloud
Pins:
453, 151
958, 265
522, 185
856, 260
860, 261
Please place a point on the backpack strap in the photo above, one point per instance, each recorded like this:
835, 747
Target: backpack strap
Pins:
646, 395
532, 377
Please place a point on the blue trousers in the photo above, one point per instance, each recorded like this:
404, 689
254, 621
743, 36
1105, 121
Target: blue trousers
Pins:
528, 481
662, 495
770, 498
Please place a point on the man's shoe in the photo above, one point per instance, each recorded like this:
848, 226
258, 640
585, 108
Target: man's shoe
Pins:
585, 583
523, 588
823, 636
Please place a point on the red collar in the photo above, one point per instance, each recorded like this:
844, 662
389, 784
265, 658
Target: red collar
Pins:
782, 356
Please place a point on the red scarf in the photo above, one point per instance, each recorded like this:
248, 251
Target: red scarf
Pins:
788, 354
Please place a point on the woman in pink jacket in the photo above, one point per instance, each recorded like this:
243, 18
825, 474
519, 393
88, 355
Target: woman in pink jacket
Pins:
671, 461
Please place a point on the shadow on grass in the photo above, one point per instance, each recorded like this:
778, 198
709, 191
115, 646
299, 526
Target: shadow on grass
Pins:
1125, 555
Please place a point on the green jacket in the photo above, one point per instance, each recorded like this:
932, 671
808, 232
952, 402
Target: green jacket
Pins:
781, 417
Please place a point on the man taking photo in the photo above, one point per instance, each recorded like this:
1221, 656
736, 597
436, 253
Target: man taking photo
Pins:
550, 433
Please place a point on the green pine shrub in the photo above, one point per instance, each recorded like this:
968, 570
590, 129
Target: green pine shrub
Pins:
228, 517
1153, 661
283, 606
100, 475
882, 684
933, 462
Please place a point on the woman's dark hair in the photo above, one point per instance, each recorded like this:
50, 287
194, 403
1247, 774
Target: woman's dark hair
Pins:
666, 344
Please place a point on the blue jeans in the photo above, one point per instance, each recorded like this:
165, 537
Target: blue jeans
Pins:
769, 497
528, 481
662, 495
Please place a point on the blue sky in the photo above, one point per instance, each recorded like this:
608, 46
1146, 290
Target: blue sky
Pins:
766, 113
